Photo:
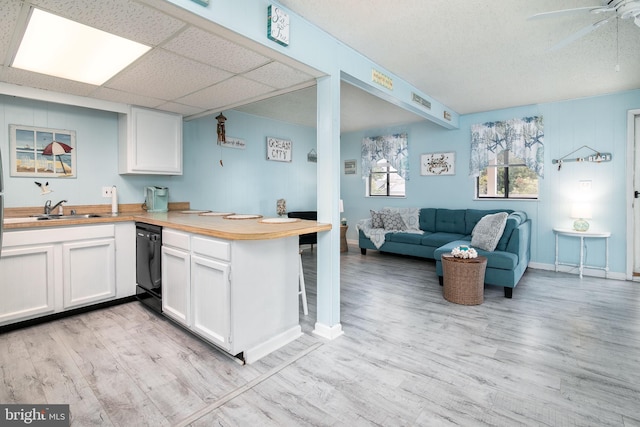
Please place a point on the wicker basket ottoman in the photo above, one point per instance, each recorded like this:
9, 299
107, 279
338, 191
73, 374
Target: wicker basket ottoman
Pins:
463, 279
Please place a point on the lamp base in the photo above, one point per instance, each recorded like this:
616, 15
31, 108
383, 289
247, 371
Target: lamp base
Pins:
580, 225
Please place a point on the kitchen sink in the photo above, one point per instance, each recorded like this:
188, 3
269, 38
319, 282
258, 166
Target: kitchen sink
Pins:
78, 216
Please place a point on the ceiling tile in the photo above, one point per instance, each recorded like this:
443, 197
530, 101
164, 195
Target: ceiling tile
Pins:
9, 12
124, 18
175, 107
203, 46
229, 92
42, 81
278, 75
165, 75
126, 97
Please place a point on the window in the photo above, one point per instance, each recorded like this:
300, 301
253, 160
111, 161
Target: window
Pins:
385, 165
384, 180
507, 177
507, 158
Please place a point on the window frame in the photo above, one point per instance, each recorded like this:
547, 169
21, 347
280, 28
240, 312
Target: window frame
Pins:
504, 168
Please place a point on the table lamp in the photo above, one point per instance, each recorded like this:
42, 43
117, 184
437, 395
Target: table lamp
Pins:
582, 212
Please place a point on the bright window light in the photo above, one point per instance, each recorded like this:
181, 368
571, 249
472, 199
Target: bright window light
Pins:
59, 47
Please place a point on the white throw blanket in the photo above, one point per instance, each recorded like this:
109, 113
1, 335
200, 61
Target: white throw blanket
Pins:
410, 216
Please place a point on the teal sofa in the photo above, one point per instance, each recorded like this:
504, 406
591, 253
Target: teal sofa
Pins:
444, 229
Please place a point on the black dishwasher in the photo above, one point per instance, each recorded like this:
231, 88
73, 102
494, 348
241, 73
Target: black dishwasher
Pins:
148, 265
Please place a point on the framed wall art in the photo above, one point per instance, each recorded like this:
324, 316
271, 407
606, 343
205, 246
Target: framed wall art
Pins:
42, 152
279, 150
434, 164
350, 167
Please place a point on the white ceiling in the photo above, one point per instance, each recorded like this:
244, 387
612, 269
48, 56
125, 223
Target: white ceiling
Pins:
471, 55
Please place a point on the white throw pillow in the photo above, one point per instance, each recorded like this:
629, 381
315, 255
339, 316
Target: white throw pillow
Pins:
487, 232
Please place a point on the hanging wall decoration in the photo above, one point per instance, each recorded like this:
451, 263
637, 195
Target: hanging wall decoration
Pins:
221, 132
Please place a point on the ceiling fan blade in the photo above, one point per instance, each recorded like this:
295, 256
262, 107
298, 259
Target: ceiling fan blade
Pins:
578, 34
563, 12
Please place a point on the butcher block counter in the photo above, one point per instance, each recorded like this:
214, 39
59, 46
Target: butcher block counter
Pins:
230, 279
206, 223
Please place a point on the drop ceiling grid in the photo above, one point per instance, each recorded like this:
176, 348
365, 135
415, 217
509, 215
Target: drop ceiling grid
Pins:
226, 93
42, 81
125, 18
165, 75
121, 97
200, 45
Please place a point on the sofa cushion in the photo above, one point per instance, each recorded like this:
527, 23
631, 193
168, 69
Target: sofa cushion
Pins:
497, 259
376, 220
474, 215
513, 220
392, 221
438, 239
411, 238
450, 221
488, 230
428, 219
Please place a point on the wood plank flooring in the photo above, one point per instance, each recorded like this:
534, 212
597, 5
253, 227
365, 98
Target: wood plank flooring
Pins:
563, 352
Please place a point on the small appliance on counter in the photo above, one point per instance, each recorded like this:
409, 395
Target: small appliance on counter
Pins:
156, 199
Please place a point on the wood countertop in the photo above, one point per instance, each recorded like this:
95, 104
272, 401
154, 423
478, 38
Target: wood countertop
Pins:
214, 226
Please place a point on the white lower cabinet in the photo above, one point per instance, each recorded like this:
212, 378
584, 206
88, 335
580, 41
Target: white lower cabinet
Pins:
210, 302
89, 272
176, 292
28, 282
51, 270
240, 295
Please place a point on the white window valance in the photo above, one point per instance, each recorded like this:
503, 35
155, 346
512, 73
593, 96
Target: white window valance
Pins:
393, 148
524, 138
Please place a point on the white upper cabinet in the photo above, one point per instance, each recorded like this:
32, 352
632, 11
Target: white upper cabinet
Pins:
150, 142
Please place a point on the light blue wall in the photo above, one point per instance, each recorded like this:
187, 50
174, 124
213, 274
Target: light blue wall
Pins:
598, 122
247, 183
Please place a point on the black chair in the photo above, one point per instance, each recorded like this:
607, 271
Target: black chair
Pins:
306, 239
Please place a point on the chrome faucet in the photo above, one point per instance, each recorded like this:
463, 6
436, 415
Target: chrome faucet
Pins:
48, 208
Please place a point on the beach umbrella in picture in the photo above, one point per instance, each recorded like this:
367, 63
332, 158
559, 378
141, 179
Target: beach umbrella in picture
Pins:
56, 148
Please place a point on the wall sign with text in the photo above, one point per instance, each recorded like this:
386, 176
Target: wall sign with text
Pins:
278, 149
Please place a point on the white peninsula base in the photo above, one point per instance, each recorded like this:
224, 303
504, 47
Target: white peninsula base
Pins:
240, 295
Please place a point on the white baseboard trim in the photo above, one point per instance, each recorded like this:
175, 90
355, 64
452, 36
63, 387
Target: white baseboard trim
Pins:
256, 353
574, 270
328, 332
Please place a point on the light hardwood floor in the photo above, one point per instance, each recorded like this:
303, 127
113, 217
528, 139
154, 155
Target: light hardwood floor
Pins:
563, 352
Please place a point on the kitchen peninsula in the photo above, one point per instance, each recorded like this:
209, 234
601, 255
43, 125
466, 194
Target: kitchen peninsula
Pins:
233, 282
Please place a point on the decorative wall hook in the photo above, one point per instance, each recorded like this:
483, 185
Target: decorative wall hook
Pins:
596, 157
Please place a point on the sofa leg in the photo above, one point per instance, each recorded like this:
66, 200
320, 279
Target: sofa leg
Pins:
363, 251
441, 280
508, 292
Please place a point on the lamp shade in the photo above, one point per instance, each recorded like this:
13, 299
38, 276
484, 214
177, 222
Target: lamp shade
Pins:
581, 210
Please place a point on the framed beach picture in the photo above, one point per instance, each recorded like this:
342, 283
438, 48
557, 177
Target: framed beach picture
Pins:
42, 152
434, 164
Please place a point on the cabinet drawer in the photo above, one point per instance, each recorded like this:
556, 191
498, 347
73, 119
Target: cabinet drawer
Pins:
175, 238
211, 248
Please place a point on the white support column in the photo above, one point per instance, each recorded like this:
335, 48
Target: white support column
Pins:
328, 148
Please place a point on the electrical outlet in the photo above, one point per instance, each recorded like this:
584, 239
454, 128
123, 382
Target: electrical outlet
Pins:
106, 191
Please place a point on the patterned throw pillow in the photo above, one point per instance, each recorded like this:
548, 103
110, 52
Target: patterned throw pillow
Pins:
376, 220
393, 221
488, 230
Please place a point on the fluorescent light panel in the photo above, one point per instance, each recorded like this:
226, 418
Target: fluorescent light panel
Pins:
62, 48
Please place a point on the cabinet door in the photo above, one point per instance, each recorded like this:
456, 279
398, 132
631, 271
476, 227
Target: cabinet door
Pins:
210, 301
88, 272
176, 284
152, 142
27, 275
